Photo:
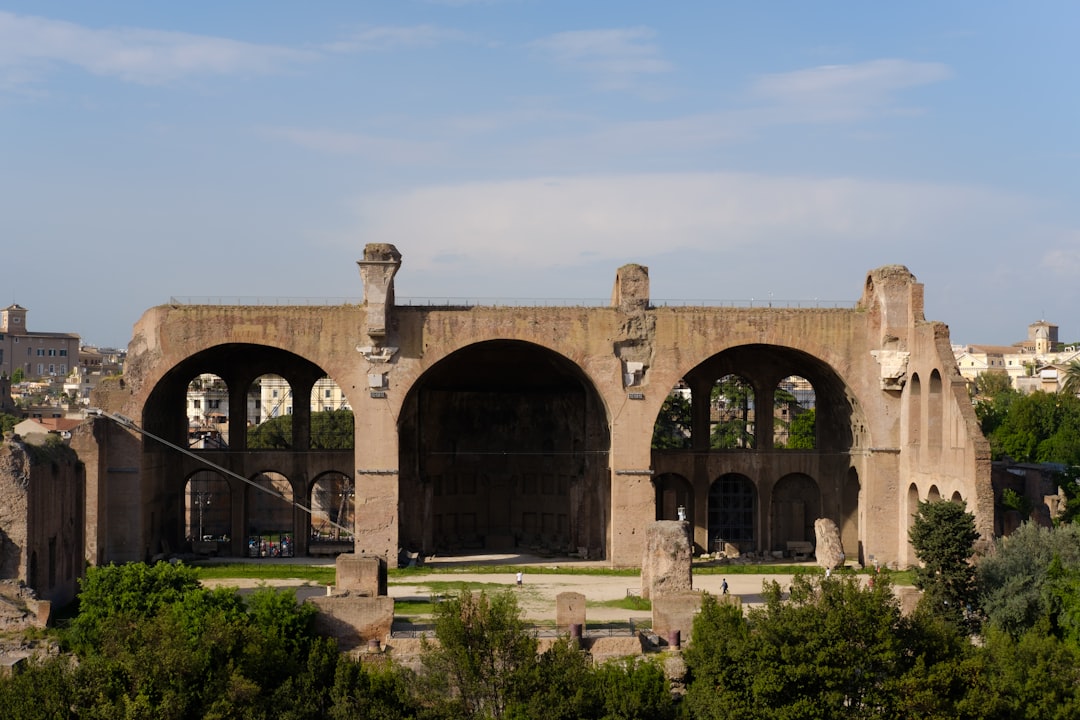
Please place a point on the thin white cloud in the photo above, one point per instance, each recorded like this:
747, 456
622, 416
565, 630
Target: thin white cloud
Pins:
132, 54
388, 37
1064, 262
372, 147
545, 222
614, 59
832, 92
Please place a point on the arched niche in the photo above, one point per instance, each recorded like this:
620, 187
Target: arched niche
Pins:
733, 502
796, 504
208, 510
333, 509
504, 445
933, 494
934, 412
673, 491
914, 414
849, 516
270, 518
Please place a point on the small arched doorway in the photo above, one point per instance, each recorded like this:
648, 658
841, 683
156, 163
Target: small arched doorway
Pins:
732, 514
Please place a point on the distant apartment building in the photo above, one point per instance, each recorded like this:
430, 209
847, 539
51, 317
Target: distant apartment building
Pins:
1037, 363
276, 397
42, 355
268, 397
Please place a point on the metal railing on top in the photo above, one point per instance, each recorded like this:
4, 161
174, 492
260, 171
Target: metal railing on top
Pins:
270, 301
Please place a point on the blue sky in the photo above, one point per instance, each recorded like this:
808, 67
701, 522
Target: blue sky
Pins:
528, 148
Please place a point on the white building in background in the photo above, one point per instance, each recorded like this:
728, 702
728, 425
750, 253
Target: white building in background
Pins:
1037, 363
276, 398
270, 396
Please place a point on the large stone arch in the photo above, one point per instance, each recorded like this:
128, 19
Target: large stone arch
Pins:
166, 468
504, 445
841, 437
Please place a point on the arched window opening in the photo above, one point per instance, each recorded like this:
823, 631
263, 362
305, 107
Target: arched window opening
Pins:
674, 423
934, 495
331, 417
332, 509
270, 409
794, 414
207, 410
796, 504
270, 516
732, 509
207, 512
732, 414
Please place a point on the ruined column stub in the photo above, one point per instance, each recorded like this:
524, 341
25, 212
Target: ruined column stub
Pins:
631, 291
377, 269
633, 347
895, 299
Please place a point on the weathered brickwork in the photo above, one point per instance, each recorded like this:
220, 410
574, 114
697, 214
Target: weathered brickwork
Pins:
531, 427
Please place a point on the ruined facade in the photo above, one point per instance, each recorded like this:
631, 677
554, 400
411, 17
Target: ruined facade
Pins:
41, 519
521, 427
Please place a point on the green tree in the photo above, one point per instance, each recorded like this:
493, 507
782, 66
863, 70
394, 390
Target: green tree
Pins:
482, 661
1014, 581
8, 422
134, 591
1034, 675
561, 685
734, 398
803, 431
274, 434
833, 648
673, 424
17, 376
1071, 386
634, 689
332, 430
992, 383
943, 535
1039, 427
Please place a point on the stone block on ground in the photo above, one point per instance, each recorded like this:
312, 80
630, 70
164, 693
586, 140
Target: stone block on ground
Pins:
675, 611
569, 610
353, 620
361, 575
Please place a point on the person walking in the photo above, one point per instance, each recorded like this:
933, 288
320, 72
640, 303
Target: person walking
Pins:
519, 575
723, 587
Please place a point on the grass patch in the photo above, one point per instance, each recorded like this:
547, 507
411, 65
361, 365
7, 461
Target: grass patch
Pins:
414, 608
321, 574
513, 570
630, 602
449, 587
